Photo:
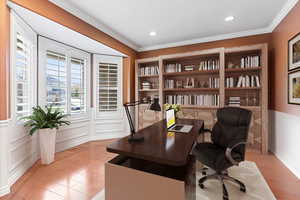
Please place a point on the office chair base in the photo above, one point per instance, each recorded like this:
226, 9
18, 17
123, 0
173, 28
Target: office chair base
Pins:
221, 177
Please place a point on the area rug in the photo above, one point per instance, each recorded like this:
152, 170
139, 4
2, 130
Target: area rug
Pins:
247, 172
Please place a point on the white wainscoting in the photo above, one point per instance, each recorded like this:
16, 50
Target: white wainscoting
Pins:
108, 128
285, 138
23, 151
4, 185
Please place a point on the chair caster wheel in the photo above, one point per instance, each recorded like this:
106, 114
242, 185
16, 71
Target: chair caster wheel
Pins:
201, 186
243, 189
204, 173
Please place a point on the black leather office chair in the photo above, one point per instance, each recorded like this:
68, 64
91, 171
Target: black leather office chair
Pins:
229, 136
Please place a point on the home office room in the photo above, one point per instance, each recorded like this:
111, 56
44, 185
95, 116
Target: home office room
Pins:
143, 100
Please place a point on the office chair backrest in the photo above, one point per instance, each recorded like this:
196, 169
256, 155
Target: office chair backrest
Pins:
232, 127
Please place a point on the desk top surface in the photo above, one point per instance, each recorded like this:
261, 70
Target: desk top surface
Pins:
160, 146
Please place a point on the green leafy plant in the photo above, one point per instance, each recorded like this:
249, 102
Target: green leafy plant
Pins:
43, 119
176, 107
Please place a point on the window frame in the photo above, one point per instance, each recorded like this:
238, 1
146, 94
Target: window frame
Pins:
19, 26
45, 45
118, 114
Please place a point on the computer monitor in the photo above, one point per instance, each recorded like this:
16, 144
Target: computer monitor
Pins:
170, 117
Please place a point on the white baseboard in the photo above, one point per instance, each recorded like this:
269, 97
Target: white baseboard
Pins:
288, 165
284, 139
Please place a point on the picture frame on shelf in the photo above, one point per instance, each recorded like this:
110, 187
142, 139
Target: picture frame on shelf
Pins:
294, 87
294, 53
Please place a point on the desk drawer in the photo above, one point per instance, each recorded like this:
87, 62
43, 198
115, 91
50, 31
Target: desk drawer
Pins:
131, 179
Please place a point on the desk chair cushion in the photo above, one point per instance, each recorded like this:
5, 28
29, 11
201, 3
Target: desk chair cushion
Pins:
213, 156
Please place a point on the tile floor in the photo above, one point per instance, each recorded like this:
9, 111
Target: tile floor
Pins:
78, 174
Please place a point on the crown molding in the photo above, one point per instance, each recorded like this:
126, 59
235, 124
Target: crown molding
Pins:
206, 39
289, 5
93, 21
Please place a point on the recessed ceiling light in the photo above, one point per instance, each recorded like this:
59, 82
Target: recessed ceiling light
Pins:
152, 33
229, 18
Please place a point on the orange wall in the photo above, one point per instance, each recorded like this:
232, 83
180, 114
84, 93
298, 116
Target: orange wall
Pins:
288, 28
4, 59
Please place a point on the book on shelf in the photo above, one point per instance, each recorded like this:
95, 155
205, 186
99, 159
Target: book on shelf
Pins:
189, 67
242, 81
149, 70
250, 61
214, 82
170, 68
209, 65
192, 99
234, 101
146, 85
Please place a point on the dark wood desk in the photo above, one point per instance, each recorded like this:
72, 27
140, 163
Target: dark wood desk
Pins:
151, 169
158, 146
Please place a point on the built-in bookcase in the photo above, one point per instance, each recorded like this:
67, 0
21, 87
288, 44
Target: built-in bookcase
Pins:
203, 81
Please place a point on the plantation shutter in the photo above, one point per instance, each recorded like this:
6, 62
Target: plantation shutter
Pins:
23, 56
56, 80
108, 87
78, 86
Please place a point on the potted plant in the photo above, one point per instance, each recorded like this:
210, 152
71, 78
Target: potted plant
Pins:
46, 122
176, 108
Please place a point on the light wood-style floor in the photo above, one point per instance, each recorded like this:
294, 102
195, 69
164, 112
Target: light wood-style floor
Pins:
78, 174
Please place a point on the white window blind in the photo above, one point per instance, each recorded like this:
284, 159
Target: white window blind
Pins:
22, 70
56, 80
78, 86
108, 87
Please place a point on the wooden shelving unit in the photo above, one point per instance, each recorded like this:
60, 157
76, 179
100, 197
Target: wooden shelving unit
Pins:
249, 63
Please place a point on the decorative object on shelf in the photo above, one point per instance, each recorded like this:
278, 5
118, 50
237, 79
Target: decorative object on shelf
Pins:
154, 106
176, 108
294, 52
189, 68
47, 122
230, 65
294, 88
190, 83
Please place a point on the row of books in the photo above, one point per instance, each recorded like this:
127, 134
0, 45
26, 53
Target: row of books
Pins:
209, 65
242, 81
234, 101
146, 85
169, 68
250, 61
149, 70
199, 100
214, 82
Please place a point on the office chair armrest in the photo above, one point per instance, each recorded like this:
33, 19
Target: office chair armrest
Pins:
229, 150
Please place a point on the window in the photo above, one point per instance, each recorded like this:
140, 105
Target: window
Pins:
56, 77
78, 88
108, 87
22, 69
64, 77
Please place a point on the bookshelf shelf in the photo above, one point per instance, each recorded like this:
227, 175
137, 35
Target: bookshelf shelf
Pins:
243, 88
195, 72
208, 77
199, 107
148, 76
189, 89
149, 90
249, 69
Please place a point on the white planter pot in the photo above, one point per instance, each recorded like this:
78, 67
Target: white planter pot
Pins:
47, 145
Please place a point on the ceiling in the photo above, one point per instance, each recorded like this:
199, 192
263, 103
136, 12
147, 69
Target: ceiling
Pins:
178, 22
53, 30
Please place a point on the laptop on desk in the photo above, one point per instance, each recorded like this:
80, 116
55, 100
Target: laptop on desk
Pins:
172, 126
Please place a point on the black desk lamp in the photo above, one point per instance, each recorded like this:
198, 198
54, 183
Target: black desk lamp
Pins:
154, 106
